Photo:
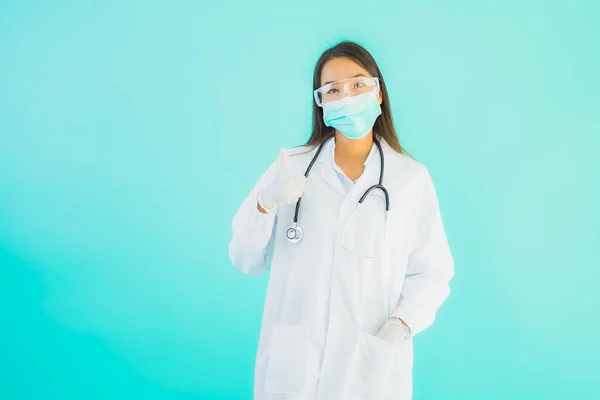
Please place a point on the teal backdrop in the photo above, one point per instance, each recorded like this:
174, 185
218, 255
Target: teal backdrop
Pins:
131, 131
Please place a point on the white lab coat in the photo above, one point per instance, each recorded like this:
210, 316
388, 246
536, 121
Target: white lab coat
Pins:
325, 305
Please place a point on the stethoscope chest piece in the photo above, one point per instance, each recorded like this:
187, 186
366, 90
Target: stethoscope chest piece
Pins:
294, 233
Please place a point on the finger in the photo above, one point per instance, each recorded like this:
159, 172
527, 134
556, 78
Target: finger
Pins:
283, 157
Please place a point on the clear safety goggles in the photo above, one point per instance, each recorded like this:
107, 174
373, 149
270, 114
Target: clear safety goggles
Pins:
352, 86
365, 232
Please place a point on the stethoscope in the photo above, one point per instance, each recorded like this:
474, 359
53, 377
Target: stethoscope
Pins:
295, 233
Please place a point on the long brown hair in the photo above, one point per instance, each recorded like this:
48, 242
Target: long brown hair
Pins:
384, 125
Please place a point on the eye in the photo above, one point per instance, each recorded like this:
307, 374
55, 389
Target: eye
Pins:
332, 91
359, 85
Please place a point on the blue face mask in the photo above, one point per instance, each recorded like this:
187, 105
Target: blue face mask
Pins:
353, 116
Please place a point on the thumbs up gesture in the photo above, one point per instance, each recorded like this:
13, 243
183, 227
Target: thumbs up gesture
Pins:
285, 188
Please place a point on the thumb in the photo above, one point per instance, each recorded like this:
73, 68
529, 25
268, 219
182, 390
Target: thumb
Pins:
283, 159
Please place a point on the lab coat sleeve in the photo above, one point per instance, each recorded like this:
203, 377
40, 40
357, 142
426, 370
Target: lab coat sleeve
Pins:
430, 266
253, 233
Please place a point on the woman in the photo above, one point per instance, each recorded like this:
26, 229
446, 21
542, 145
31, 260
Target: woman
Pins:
351, 282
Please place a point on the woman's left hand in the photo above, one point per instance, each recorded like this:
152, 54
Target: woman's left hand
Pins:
394, 331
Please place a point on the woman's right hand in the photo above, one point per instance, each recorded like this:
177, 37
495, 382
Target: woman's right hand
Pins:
285, 188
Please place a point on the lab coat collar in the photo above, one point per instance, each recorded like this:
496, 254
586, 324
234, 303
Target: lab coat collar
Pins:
330, 176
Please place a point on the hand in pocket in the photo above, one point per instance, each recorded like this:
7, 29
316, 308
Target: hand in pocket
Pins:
394, 331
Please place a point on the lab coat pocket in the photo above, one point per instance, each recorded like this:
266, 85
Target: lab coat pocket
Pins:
400, 386
286, 371
371, 367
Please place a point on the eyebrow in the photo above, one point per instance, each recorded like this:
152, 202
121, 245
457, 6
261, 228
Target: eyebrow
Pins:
355, 76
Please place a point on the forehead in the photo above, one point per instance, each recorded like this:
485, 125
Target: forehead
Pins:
341, 68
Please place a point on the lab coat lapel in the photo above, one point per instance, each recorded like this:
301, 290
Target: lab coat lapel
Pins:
328, 172
331, 178
369, 177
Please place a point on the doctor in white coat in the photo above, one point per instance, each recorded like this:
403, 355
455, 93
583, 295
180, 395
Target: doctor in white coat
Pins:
363, 269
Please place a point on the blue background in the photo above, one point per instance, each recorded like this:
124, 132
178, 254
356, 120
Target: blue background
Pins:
130, 133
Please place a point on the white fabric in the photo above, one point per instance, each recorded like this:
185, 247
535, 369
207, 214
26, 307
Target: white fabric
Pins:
346, 182
325, 306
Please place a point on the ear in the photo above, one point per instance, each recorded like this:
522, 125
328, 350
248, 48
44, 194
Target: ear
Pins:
379, 98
